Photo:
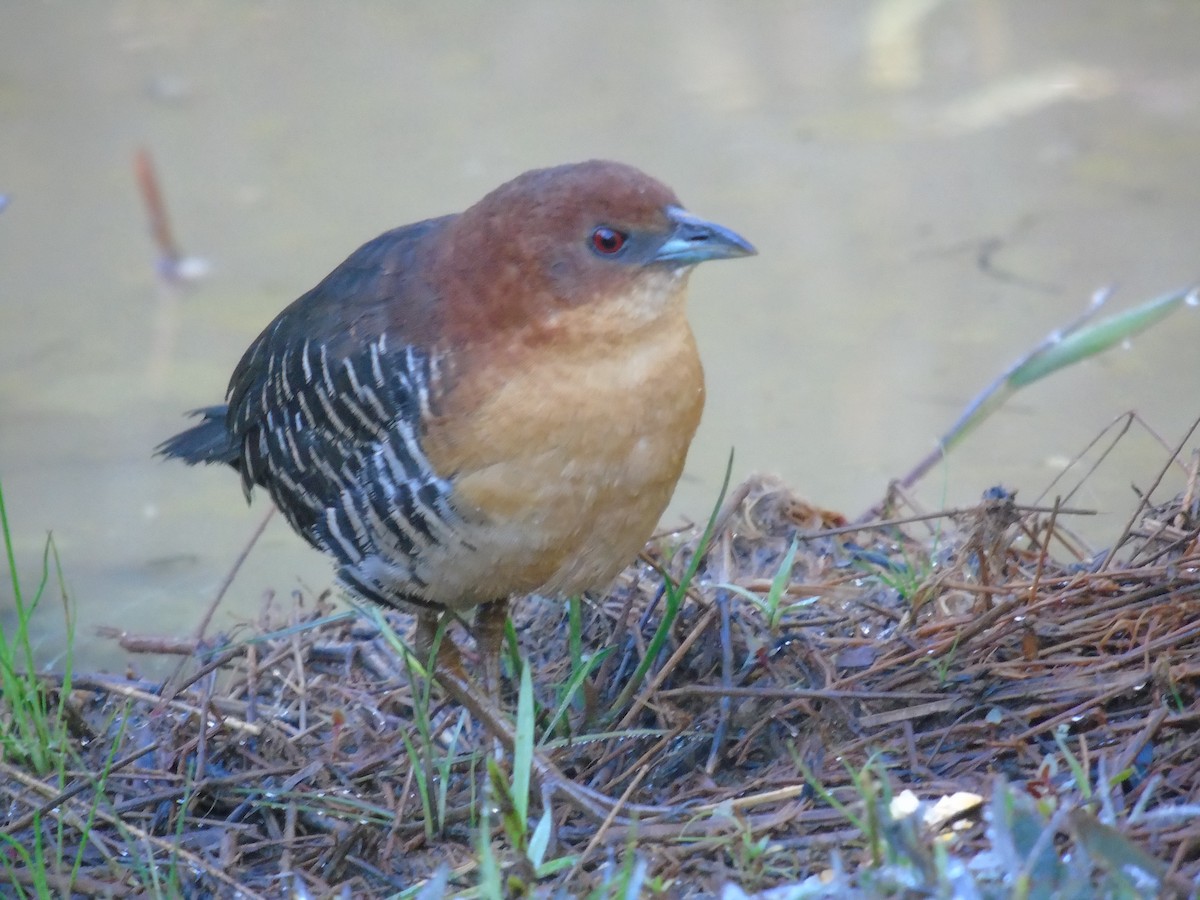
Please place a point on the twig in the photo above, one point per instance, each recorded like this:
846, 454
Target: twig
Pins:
1174, 455
929, 517
171, 686
169, 256
608, 822
1060, 348
724, 704
668, 667
713, 690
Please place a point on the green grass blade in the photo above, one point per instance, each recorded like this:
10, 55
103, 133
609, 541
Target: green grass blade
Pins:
68, 659
575, 631
675, 594
9, 553
445, 764
823, 792
1093, 339
523, 747
416, 765
1064, 350
34, 730
539, 841
554, 866
490, 883
578, 675
779, 584
100, 787
420, 757
12, 850
1078, 772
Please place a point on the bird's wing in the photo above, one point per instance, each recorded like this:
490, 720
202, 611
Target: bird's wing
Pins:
328, 408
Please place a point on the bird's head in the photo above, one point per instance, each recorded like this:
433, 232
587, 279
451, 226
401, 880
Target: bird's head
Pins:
582, 234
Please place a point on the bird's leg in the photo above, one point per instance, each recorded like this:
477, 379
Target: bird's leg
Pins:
489, 639
426, 637
451, 675
468, 694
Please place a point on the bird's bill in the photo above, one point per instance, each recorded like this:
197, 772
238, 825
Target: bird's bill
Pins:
695, 240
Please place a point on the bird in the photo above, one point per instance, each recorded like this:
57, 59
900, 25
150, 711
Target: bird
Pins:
485, 405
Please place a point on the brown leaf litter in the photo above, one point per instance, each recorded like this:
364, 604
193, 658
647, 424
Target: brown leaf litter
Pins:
946, 656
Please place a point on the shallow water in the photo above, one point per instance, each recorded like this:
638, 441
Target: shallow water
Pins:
932, 187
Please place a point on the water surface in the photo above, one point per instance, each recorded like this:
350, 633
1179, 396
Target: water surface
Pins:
932, 187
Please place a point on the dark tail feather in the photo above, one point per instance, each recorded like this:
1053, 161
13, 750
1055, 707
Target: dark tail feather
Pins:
208, 442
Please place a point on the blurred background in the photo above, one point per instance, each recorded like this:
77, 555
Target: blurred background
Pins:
933, 186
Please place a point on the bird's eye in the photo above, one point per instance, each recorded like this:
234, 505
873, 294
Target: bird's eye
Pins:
608, 241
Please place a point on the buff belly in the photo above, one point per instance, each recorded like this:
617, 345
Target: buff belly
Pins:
568, 516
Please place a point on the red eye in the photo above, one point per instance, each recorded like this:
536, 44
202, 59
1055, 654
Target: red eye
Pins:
608, 240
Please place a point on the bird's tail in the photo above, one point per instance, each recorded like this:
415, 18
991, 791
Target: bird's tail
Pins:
208, 442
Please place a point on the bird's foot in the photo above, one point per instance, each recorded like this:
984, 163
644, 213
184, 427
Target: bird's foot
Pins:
552, 779
483, 704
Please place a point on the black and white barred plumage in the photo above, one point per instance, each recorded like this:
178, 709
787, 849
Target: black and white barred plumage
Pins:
332, 427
